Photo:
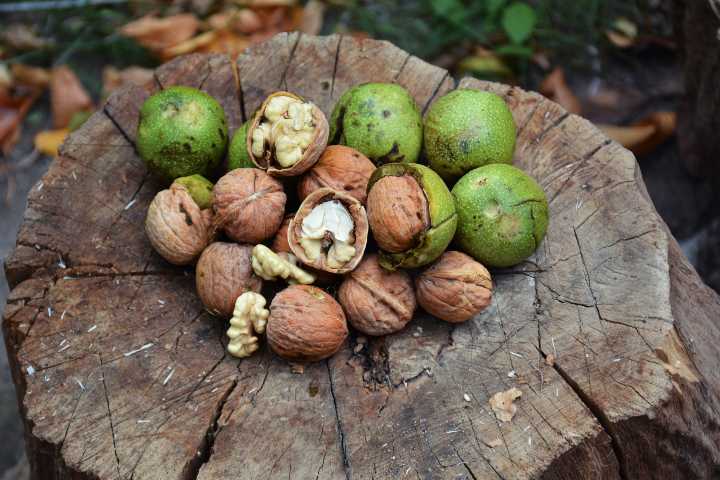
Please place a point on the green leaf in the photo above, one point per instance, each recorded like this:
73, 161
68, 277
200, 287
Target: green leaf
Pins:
446, 7
494, 6
518, 21
514, 50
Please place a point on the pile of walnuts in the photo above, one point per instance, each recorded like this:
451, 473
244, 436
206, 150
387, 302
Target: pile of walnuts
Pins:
304, 223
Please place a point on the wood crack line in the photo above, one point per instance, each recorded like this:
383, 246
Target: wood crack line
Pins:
341, 432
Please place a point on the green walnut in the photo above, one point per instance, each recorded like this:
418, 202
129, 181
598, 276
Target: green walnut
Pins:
380, 120
502, 214
182, 131
466, 129
200, 189
238, 156
411, 214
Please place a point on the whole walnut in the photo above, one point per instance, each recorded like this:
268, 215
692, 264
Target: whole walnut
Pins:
223, 273
280, 241
377, 301
454, 288
305, 324
176, 227
249, 205
341, 168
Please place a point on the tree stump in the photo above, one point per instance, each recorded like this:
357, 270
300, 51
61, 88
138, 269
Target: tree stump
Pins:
607, 330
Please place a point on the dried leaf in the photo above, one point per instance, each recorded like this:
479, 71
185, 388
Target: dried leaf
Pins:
191, 45
502, 404
485, 64
20, 36
623, 33
646, 135
67, 96
32, 76
225, 41
49, 141
311, 21
161, 33
555, 88
243, 21
12, 112
114, 78
267, 3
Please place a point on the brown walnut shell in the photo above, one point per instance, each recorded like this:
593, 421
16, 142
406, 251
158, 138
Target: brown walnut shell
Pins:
249, 205
341, 168
223, 273
306, 324
398, 212
310, 155
176, 227
454, 288
377, 301
360, 232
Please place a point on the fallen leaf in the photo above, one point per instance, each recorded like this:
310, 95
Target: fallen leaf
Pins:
225, 41
49, 141
267, 3
555, 88
67, 96
243, 20
311, 21
158, 34
13, 109
502, 404
20, 36
114, 78
32, 76
646, 135
485, 64
623, 33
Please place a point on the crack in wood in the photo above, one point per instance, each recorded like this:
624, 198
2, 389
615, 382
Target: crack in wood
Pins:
335, 66
338, 421
110, 418
283, 78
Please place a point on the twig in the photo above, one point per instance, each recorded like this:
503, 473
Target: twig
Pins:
54, 5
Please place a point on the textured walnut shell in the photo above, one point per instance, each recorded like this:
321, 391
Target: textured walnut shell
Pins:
176, 227
223, 273
357, 213
454, 288
305, 324
341, 168
397, 212
249, 205
377, 301
310, 155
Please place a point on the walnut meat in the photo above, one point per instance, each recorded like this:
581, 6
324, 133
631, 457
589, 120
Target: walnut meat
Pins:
377, 301
223, 273
249, 205
249, 318
454, 288
397, 212
341, 168
176, 227
329, 231
305, 324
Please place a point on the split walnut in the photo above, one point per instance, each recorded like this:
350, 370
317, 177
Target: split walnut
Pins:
249, 315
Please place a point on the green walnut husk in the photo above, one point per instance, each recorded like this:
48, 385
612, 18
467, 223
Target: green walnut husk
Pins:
238, 155
380, 120
443, 217
200, 189
466, 129
502, 214
182, 131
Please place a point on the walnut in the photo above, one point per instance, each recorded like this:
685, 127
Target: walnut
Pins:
249, 205
176, 227
305, 324
270, 266
287, 135
341, 168
249, 314
377, 301
329, 231
280, 241
223, 273
454, 288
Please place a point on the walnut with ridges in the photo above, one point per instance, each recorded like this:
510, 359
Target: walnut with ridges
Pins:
377, 301
454, 288
341, 168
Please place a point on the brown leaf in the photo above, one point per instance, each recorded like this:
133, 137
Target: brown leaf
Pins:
502, 404
158, 34
49, 141
555, 88
114, 78
623, 33
646, 135
12, 112
20, 36
67, 96
244, 21
268, 3
311, 21
32, 76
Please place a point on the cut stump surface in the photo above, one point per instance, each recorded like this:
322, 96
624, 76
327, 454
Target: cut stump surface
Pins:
121, 375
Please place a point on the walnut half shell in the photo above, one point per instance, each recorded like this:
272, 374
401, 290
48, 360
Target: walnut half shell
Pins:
329, 231
287, 135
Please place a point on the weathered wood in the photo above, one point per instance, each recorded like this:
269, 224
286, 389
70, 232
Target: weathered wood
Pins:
120, 374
